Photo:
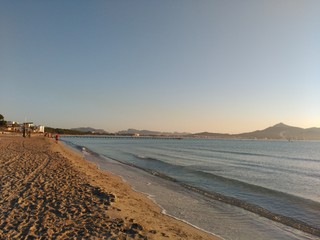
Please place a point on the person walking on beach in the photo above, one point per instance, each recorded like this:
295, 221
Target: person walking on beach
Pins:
57, 138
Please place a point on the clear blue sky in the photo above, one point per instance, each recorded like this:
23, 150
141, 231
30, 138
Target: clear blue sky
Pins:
219, 66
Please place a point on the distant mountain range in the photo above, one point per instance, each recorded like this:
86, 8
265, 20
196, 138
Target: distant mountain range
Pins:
150, 133
278, 131
89, 130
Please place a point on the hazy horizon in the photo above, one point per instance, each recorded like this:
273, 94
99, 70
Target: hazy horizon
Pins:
185, 66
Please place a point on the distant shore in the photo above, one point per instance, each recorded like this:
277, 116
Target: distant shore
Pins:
49, 191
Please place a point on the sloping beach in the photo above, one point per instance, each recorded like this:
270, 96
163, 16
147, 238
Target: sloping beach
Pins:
50, 192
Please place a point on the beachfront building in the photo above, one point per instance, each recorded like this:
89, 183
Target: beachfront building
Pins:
39, 129
13, 126
34, 128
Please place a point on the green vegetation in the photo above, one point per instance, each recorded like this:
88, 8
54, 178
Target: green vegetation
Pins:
2, 121
65, 131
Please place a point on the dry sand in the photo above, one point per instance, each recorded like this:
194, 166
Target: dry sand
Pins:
48, 191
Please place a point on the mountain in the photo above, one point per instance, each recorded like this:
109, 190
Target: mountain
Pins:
211, 135
131, 131
283, 131
278, 131
89, 130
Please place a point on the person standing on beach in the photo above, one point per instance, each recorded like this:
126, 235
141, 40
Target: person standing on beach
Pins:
57, 138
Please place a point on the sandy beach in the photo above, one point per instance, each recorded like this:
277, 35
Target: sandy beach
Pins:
48, 191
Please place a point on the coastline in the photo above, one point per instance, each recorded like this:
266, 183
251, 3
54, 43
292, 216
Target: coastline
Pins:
141, 168
61, 194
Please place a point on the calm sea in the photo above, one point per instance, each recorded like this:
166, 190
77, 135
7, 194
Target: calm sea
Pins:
237, 189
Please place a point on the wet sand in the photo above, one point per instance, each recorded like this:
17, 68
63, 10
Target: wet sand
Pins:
48, 191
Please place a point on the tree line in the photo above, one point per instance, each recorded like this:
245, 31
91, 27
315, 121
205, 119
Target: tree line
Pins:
2, 121
64, 131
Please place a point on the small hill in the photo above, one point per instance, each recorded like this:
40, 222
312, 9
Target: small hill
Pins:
211, 135
63, 131
131, 131
89, 130
76, 131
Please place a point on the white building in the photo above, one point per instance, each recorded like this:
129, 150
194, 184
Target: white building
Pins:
13, 126
40, 129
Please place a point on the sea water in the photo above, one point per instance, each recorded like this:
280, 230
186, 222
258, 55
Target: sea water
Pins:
192, 179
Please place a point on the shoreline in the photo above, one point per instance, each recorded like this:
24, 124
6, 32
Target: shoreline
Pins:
147, 195
288, 221
61, 194
201, 206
